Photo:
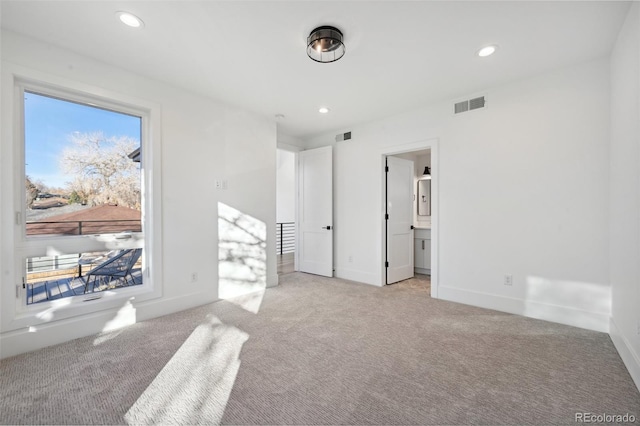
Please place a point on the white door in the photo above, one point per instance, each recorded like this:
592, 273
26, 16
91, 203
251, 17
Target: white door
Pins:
400, 219
315, 211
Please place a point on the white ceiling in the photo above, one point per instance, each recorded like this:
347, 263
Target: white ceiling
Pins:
400, 55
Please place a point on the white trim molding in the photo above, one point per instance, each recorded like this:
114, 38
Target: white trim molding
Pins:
35, 337
629, 357
20, 324
433, 145
596, 321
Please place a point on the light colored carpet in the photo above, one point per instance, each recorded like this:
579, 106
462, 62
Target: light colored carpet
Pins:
323, 351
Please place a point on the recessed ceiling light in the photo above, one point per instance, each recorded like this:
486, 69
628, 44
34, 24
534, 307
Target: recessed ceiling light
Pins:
323, 110
130, 19
487, 50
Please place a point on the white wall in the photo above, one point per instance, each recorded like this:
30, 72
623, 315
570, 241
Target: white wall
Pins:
201, 140
624, 200
522, 190
286, 186
289, 143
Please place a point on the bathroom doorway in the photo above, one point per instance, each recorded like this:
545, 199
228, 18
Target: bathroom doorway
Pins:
421, 241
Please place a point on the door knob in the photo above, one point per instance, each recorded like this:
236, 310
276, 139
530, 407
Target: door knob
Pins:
326, 227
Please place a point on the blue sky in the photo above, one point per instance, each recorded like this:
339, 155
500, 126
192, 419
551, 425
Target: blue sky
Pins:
48, 124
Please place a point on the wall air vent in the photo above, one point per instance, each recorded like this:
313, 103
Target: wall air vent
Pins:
461, 107
476, 103
469, 105
343, 137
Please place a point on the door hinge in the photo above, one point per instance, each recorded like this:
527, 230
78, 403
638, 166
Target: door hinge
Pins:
386, 264
18, 218
386, 169
24, 285
386, 216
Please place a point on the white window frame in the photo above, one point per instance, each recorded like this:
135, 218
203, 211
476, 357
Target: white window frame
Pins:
18, 247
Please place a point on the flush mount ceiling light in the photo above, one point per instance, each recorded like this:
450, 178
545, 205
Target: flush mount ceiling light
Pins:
130, 19
323, 110
487, 51
324, 44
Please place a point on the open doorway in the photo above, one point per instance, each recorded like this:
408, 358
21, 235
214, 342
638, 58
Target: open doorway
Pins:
304, 211
285, 211
410, 243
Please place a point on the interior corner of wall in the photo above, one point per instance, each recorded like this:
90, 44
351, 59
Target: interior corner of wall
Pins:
630, 357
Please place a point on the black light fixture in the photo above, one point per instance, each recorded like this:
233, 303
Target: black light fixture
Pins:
427, 172
324, 44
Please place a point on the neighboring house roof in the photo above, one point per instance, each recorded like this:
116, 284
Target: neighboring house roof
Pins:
102, 212
101, 219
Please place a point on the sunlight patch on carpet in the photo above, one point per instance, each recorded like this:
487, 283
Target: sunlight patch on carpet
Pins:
195, 385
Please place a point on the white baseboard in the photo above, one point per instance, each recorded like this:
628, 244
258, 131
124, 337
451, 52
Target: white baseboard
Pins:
630, 358
356, 275
596, 321
165, 306
29, 339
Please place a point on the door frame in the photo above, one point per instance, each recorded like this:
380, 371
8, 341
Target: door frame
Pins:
433, 145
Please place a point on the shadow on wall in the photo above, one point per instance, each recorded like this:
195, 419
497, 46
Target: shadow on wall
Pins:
242, 258
581, 304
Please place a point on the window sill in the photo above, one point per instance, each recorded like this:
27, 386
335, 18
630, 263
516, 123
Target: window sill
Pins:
78, 306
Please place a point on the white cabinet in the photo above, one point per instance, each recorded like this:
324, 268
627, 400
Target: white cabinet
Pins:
422, 251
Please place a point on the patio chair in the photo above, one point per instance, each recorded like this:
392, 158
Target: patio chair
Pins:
92, 258
118, 267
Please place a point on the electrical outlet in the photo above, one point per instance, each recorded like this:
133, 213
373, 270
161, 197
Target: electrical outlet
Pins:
508, 279
218, 184
194, 277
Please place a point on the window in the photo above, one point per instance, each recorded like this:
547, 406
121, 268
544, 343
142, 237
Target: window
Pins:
82, 168
85, 187
56, 277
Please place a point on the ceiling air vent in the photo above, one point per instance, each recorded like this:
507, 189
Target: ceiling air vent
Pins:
343, 137
470, 105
